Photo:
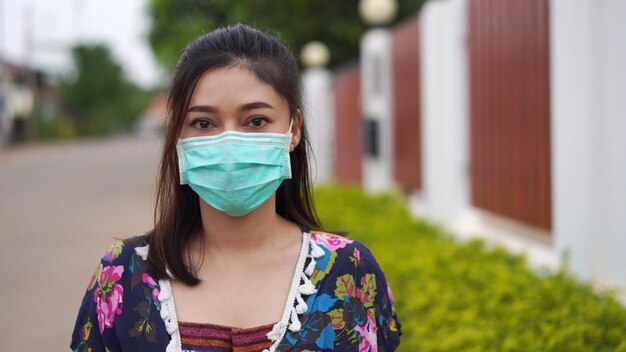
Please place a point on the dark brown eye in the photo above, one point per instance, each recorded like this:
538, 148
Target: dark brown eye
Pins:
257, 122
202, 124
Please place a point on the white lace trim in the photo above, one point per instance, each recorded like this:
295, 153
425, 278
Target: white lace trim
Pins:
300, 285
168, 314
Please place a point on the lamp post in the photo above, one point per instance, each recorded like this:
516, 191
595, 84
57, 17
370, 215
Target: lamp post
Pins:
318, 96
315, 54
376, 94
378, 12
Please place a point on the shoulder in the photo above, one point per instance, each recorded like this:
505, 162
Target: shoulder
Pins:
122, 268
340, 250
341, 256
120, 306
117, 265
121, 251
122, 259
352, 308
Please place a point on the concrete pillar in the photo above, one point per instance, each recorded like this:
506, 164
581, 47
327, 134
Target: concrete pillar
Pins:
614, 74
376, 93
318, 110
445, 114
588, 86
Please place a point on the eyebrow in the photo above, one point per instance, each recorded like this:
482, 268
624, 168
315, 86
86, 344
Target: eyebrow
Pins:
244, 107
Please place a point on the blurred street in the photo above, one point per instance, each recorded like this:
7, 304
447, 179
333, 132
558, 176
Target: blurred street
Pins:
61, 207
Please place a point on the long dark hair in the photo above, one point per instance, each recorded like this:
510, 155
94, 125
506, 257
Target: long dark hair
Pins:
177, 210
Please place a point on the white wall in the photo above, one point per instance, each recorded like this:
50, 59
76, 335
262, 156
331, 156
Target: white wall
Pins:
317, 84
445, 115
588, 87
376, 102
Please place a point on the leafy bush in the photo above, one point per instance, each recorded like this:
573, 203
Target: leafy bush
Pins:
468, 297
57, 127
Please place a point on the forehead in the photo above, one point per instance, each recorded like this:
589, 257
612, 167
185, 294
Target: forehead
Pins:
234, 86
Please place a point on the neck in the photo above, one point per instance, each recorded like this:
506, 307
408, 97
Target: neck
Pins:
262, 228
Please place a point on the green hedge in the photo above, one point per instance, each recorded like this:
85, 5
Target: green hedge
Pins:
467, 297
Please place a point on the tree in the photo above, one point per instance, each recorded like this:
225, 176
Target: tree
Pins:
99, 98
336, 23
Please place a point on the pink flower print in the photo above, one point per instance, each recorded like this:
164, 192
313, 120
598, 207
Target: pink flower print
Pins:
356, 254
390, 294
367, 290
369, 341
108, 295
114, 251
147, 279
330, 242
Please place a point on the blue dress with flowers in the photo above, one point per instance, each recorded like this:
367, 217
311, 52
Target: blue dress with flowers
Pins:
341, 302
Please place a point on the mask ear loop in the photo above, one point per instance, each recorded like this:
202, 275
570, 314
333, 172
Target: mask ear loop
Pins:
290, 124
290, 134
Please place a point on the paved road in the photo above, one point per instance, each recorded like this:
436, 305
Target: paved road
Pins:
61, 207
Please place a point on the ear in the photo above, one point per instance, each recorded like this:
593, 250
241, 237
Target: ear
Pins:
296, 130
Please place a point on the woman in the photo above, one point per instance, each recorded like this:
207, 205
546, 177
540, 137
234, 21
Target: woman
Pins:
236, 239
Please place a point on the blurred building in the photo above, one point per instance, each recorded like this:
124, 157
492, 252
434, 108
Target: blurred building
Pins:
499, 119
17, 96
25, 96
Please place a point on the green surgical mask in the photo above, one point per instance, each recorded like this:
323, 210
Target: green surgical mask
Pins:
235, 172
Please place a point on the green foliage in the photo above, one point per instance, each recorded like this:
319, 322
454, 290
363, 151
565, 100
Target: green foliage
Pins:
99, 99
336, 23
467, 297
58, 127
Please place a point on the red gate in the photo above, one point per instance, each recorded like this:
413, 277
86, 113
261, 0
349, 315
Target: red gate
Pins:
510, 109
347, 93
406, 105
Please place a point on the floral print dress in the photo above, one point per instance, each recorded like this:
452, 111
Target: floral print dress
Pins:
340, 301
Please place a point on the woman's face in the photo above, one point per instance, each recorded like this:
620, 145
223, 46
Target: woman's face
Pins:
234, 99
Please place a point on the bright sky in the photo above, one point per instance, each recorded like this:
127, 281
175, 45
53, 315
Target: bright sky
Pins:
40, 33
